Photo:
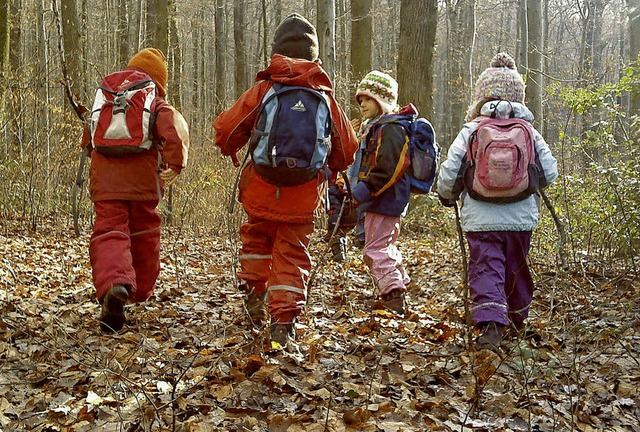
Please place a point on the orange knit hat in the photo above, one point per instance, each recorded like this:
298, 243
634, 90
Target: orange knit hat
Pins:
153, 62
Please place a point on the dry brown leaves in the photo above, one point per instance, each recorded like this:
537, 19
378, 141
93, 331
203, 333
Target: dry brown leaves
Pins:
190, 361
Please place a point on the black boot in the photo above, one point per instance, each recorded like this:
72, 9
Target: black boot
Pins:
282, 332
112, 317
394, 301
490, 335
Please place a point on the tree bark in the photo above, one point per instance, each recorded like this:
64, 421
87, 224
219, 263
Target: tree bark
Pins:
239, 31
72, 48
4, 41
361, 43
175, 61
122, 33
326, 27
534, 59
418, 21
158, 24
220, 89
633, 12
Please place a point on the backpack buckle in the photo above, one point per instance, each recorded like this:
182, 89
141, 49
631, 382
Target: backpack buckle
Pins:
292, 163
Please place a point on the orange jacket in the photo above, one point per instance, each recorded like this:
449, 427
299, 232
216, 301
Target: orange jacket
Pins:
133, 177
233, 129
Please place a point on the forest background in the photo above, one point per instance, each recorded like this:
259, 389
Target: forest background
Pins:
579, 59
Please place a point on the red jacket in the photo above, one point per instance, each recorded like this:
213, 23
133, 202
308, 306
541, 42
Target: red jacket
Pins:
234, 126
133, 177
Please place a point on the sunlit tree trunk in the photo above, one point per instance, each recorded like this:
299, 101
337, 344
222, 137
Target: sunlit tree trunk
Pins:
122, 33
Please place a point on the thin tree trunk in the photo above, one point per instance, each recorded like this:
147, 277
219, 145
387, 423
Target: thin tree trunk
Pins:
534, 59
239, 31
220, 88
175, 57
4, 41
326, 26
122, 33
633, 12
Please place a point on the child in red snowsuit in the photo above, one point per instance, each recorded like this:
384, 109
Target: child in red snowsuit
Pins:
125, 244
274, 259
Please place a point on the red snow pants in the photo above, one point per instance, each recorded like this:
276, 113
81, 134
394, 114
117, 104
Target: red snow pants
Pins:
125, 247
274, 258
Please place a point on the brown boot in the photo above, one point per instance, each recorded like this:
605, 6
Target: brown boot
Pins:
394, 301
282, 332
256, 306
112, 317
490, 335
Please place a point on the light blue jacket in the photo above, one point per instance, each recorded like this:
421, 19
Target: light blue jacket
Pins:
484, 216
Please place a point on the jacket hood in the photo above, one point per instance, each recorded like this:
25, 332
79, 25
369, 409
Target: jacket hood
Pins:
296, 72
503, 110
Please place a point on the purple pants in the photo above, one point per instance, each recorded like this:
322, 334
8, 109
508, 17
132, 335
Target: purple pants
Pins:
500, 283
381, 254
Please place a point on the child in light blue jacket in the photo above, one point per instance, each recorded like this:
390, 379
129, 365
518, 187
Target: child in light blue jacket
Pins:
499, 235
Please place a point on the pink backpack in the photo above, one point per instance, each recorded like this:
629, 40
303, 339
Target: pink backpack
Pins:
503, 166
122, 114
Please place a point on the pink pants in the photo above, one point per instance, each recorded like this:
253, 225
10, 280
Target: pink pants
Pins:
381, 254
125, 247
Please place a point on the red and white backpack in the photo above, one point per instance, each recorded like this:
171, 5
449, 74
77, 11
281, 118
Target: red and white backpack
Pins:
122, 115
502, 163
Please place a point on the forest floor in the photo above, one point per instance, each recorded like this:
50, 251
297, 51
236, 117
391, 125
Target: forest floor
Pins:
189, 360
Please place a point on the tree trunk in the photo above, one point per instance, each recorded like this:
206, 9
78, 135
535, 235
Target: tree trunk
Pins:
418, 21
461, 24
326, 27
158, 24
4, 41
239, 31
71, 38
220, 31
175, 61
534, 59
633, 12
361, 43
523, 41
122, 33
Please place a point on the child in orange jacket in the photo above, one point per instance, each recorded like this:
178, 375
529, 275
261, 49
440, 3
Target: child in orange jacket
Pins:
125, 244
274, 259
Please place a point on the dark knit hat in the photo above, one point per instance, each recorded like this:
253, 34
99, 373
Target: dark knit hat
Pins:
382, 88
153, 62
501, 81
296, 37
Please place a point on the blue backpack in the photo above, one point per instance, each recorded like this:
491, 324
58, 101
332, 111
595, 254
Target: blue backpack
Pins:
424, 153
291, 141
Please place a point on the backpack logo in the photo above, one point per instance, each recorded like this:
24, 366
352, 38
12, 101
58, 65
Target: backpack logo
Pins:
290, 149
299, 106
501, 163
121, 118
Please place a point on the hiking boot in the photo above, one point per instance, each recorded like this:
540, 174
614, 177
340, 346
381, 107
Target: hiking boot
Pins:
256, 306
490, 335
394, 301
112, 317
282, 333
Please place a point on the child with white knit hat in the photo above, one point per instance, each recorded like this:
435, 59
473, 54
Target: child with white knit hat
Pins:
382, 190
498, 234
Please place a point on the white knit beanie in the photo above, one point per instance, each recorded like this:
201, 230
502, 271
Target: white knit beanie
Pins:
381, 87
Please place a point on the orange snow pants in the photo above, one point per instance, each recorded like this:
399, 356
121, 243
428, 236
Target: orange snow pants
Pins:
125, 247
274, 258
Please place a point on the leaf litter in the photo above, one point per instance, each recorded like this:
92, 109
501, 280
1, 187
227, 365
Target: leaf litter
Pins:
189, 360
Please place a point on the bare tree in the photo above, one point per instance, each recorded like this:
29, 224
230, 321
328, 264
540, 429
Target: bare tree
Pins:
534, 59
158, 24
122, 32
72, 48
220, 31
327, 35
4, 39
361, 41
633, 12
239, 31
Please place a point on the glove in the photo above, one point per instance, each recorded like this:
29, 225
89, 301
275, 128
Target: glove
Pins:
447, 202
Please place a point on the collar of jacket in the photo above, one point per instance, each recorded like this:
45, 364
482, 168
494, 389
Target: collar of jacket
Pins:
296, 72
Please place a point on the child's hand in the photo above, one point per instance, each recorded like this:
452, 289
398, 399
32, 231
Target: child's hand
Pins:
169, 176
355, 124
